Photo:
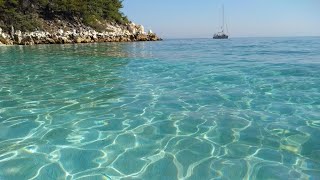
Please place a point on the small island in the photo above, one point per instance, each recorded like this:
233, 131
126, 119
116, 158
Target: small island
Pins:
26, 22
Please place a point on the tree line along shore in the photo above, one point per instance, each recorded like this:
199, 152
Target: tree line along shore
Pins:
28, 22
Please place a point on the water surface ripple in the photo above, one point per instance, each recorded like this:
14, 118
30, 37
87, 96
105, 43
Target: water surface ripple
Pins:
177, 109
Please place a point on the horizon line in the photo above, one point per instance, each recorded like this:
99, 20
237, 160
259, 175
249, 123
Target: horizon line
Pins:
238, 37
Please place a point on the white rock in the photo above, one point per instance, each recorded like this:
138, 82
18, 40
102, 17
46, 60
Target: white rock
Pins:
0, 30
60, 31
141, 29
131, 29
86, 33
39, 34
18, 33
12, 31
2, 35
134, 31
150, 32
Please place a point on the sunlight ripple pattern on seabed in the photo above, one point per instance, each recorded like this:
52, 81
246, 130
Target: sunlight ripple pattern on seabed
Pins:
177, 109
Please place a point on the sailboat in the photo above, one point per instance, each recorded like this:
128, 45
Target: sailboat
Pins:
221, 34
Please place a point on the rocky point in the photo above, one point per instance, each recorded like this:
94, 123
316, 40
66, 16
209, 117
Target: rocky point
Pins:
67, 33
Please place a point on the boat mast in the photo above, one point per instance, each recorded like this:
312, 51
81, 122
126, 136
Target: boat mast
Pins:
223, 18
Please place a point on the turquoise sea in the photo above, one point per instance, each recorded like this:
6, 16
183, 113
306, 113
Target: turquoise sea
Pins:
194, 109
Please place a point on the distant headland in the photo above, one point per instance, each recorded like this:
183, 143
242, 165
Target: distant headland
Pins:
26, 22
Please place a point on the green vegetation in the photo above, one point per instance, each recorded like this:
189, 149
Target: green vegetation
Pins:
26, 14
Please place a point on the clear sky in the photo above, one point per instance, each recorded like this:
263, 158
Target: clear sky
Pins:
245, 18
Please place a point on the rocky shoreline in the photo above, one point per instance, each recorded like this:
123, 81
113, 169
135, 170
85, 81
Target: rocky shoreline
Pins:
61, 32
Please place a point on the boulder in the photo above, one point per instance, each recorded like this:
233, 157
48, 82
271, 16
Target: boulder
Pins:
50, 41
27, 40
140, 29
94, 37
60, 32
12, 31
78, 39
88, 40
4, 35
17, 39
40, 34
2, 40
63, 40
153, 37
132, 28
142, 37
124, 39
19, 33
5, 40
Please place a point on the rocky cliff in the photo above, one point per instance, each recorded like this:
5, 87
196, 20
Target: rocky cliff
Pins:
63, 32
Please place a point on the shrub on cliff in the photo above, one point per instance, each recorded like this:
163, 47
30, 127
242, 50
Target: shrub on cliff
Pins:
24, 14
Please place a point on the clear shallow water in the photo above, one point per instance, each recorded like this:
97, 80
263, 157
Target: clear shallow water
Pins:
177, 109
